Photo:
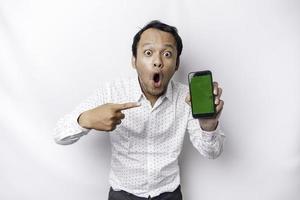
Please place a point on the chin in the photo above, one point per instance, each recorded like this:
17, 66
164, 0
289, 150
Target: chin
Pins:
158, 91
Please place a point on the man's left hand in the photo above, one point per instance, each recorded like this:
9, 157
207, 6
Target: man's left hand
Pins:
210, 124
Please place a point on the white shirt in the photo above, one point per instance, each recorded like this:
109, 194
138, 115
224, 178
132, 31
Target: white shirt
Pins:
146, 145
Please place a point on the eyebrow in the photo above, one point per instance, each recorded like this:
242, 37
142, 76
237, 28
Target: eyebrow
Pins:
166, 45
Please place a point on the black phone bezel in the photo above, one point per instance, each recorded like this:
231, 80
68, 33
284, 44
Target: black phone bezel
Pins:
201, 73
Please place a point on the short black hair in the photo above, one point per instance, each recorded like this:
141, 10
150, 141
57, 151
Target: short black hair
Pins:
156, 24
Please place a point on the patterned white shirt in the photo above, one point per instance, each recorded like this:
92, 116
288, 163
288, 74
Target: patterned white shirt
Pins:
146, 145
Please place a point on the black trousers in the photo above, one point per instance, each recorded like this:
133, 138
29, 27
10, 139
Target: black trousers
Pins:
123, 195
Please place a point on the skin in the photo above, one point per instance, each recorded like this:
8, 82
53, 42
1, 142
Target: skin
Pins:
156, 53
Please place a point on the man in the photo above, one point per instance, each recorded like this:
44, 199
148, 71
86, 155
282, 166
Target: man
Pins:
146, 117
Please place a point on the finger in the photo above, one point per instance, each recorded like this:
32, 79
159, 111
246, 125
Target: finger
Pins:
220, 90
220, 106
218, 114
216, 88
188, 99
219, 109
217, 98
118, 122
120, 115
113, 127
125, 106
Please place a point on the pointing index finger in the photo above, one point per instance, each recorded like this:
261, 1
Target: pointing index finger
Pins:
125, 106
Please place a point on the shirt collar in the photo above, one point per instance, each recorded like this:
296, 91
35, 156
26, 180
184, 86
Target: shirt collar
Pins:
169, 93
137, 92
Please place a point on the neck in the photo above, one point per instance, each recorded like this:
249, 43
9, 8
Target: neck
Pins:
149, 97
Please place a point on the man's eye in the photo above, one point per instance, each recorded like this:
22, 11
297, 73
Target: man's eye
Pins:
167, 54
148, 53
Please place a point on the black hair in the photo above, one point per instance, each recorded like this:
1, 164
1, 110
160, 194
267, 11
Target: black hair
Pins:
160, 26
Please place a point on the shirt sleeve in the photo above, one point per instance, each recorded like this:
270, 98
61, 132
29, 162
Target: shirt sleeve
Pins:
208, 143
67, 129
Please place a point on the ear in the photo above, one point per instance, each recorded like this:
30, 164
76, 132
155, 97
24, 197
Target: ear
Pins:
177, 63
133, 61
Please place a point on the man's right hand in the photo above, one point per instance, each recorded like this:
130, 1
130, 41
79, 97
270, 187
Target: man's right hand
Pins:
105, 117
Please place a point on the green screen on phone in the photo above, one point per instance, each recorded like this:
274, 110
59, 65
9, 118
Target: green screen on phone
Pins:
202, 97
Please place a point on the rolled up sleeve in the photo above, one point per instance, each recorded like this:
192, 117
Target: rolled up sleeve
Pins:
67, 130
208, 143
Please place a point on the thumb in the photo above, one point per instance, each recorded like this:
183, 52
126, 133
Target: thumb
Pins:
188, 99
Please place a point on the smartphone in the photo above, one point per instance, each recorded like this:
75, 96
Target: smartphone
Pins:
201, 93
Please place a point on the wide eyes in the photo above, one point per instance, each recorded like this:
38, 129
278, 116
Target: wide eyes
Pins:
167, 54
148, 52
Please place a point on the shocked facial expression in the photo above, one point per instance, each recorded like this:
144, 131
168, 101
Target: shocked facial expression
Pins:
155, 61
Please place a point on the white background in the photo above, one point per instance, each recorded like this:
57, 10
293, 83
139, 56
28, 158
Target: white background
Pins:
53, 54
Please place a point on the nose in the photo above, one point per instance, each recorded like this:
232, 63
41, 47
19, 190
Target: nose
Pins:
157, 62
157, 65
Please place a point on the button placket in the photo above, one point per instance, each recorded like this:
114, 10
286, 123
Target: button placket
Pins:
150, 146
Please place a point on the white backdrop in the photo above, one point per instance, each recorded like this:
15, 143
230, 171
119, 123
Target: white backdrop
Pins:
53, 54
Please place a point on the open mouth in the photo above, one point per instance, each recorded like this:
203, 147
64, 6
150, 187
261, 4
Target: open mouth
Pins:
157, 79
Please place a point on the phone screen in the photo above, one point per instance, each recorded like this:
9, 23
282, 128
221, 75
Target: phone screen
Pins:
202, 98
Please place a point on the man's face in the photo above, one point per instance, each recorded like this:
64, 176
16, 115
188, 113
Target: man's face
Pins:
155, 61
